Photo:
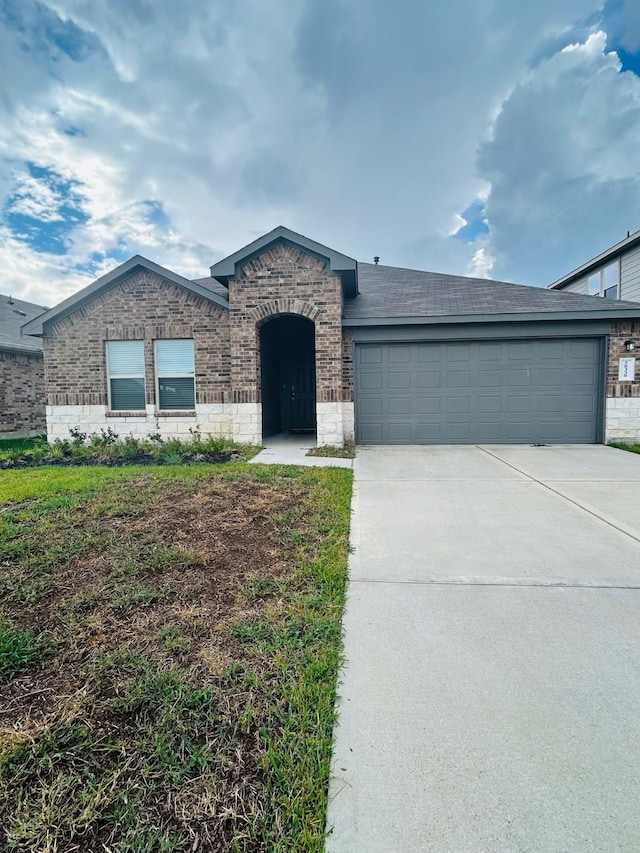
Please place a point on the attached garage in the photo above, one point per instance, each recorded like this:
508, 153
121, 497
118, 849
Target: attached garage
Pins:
543, 390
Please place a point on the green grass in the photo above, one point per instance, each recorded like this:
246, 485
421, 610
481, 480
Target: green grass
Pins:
170, 639
621, 445
20, 444
18, 650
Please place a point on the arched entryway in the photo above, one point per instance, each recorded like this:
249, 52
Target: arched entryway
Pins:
288, 375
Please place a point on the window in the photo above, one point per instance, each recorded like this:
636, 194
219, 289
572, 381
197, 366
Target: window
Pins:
175, 375
125, 368
605, 281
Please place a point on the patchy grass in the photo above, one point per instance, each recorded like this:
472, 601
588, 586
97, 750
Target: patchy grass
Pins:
169, 647
347, 451
621, 445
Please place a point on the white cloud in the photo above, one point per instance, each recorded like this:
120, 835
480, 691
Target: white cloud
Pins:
481, 264
206, 125
564, 164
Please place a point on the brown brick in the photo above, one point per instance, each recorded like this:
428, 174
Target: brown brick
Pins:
22, 407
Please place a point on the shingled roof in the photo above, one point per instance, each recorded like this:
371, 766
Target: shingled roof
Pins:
14, 313
393, 294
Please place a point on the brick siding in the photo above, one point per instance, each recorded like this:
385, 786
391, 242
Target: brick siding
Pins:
284, 279
347, 366
143, 307
622, 331
22, 397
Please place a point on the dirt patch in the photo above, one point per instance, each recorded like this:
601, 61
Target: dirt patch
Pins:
164, 582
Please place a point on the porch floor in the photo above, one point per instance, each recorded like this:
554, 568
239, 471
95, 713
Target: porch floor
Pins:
287, 449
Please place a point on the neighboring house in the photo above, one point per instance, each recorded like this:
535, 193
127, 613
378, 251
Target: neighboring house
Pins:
22, 396
288, 335
613, 274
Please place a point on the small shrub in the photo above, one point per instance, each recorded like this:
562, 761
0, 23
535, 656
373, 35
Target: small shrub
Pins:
77, 436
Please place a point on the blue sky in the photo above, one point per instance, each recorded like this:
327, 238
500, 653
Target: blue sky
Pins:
483, 138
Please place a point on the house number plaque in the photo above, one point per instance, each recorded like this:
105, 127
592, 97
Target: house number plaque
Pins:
627, 370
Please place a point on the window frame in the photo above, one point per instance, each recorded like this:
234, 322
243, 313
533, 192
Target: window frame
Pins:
601, 284
111, 376
158, 377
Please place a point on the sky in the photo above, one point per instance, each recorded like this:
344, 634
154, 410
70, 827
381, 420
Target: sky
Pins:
483, 137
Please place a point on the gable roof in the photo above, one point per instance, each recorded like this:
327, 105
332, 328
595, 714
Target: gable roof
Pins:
345, 267
608, 255
105, 282
14, 313
392, 296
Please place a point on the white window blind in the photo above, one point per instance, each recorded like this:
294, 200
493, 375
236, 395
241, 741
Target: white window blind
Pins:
125, 367
175, 375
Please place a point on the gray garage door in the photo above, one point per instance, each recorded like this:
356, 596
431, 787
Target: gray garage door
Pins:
533, 391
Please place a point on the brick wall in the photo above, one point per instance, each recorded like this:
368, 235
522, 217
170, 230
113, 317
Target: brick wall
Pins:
347, 366
281, 280
622, 331
22, 397
143, 307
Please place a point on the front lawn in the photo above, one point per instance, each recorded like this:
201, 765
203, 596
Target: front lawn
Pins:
169, 645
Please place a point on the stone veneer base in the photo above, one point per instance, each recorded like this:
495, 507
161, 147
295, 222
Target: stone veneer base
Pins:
623, 419
241, 422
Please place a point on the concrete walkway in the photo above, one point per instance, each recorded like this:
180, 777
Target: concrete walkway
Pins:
491, 697
285, 449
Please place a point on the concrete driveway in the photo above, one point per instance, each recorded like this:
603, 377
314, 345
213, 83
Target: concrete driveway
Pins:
491, 695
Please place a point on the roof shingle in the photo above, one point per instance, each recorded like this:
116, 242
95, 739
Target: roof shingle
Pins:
14, 313
394, 292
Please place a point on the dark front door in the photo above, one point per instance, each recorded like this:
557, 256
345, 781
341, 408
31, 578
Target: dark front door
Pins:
288, 375
302, 392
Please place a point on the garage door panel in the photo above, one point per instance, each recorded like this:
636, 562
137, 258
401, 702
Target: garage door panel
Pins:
460, 352
399, 406
400, 355
489, 404
489, 378
581, 403
519, 405
371, 406
429, 433
534, 391
457, 405
490, 352
587, 349
551, 377
490, 431
520, 377
429, 354
399, 380
429, 379
547, 403
371, 355
370, 432
458, 379
551, 350
581, 376
400, 432
429, 405
551, 431
371, 381
458, 431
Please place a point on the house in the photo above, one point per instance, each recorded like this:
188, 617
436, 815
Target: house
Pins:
22, 395
288, 335
613, 274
